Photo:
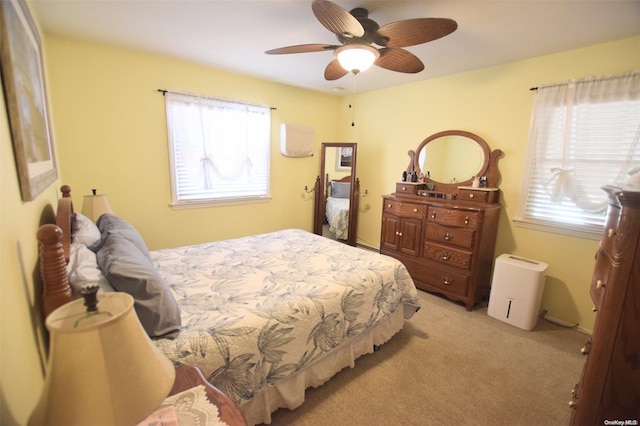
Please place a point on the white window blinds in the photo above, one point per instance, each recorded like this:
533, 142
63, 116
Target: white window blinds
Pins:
584, 135
219, 150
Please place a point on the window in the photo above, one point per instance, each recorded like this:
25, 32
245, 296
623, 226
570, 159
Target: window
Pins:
219, 150
584, 135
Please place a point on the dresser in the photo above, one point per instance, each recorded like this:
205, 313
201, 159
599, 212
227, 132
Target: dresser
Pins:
609, 388
444, 231
446, 245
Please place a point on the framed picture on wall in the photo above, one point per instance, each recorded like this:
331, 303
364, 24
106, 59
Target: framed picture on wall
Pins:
344, 159
26, 99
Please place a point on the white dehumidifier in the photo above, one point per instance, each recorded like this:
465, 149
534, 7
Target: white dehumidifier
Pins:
516, 290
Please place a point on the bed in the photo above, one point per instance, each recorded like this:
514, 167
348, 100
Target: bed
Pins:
264, 317
337, 201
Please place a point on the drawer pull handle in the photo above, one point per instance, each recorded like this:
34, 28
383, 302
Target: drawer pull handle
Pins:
610, 232
448, 236
466, 220
470, 195
572, 404
446, 256
433, 215
447, 281
404, 188
415, 210
599, 284
388, 206
399, 234
594, 309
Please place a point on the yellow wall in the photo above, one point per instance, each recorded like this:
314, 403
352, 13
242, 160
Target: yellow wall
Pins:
111, 120
21, 334
496, 104
110, 134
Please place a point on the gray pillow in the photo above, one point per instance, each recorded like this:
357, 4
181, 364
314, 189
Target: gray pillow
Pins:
111, 224
340, 189
130, 271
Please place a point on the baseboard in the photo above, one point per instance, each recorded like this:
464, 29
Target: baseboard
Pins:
563, 323
363, 246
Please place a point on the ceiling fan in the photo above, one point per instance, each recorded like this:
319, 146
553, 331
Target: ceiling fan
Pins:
363, 39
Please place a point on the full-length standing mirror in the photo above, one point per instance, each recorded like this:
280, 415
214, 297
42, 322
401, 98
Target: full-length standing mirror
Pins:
337, 192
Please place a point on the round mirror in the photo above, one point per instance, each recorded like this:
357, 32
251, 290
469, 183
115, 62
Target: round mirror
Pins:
451, 159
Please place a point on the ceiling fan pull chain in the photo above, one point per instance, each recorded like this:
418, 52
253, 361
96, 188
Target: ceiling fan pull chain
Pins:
353, 109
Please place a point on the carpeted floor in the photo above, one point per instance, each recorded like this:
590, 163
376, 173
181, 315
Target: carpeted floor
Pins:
453, 367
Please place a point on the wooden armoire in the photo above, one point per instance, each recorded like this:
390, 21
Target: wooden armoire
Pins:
609, 389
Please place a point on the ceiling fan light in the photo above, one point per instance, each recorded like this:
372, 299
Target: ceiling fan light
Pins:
356, 58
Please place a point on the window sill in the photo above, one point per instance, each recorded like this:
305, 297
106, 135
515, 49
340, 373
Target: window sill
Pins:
558, 228
202, 204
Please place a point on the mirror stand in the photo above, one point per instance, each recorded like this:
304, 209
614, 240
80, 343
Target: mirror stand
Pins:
337, 193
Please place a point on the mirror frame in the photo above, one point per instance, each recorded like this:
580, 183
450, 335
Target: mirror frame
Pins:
489, 166
320, 194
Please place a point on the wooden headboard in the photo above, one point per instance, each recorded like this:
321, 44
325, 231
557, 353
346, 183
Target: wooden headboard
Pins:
55, 246
327, 189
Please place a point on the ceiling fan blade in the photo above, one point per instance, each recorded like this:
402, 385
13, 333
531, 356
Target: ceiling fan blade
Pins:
301, 48
334, 71
417, 31
336, 19
396, 59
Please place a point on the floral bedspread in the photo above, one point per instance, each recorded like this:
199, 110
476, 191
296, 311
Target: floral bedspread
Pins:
256, 310
337, 212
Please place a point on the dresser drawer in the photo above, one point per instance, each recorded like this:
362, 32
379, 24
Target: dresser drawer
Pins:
404, 209
447, 255
601, 273
608, 240
460, 237
445, 216
448, 281
409, 187
471, 195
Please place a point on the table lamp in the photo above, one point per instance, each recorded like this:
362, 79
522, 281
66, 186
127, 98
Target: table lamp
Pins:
94, 205
103, 369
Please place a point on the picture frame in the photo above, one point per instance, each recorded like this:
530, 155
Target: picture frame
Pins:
26, 99
344, 159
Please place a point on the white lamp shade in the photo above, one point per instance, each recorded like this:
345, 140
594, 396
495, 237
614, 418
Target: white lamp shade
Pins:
93, 206
103, 369
356, 58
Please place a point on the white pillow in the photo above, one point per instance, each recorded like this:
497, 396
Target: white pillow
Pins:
84, 231
83, 269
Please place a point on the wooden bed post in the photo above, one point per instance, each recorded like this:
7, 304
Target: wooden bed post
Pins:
318, 211
53, 269
64, 215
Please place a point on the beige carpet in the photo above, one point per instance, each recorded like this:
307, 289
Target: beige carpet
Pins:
453, 367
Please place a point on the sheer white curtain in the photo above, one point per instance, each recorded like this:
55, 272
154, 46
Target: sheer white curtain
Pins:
219, 149
584, 134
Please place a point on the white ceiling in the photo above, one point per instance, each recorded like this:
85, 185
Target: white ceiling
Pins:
234, 34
